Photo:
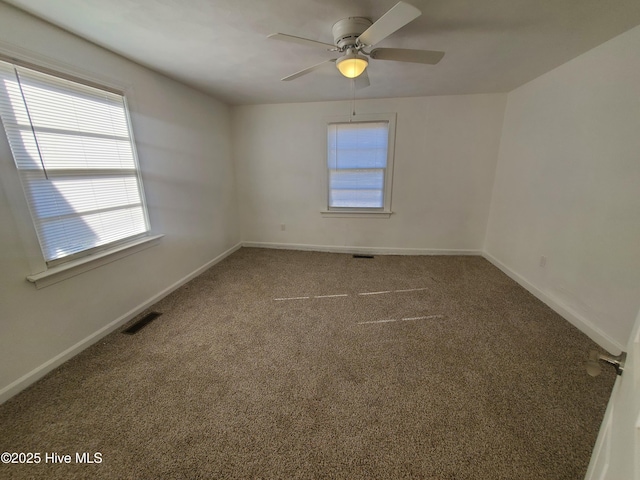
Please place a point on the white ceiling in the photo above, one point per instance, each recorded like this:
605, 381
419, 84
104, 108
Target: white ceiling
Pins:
220, 46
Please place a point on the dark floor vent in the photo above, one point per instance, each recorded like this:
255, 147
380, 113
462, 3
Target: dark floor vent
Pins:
362, 256
143, 322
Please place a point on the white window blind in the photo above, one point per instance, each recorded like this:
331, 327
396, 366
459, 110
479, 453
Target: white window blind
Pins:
357, 162
73, 149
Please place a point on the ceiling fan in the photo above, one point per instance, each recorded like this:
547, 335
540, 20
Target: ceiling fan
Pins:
353, 36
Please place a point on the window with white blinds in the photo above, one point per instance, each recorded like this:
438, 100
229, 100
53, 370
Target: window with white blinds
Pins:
358, 165
76, 159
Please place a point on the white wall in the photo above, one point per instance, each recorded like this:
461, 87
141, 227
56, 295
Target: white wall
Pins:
183, 140
568, 188
446, 151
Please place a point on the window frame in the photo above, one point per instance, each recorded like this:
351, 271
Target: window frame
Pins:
363, 212
47, 273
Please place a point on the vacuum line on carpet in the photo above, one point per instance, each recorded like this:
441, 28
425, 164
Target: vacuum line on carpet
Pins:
378, 321
406, 319
422, 318
347, 295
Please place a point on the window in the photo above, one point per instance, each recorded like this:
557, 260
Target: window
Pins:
359, 162
73, 149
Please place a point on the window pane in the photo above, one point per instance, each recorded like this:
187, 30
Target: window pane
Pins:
357, 161
73, 150
356, 198
358, 145
58, 104
356, 188
75, 234
356, 179
58, 197
64, 151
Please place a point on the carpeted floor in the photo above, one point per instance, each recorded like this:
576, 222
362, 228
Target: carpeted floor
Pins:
284, 364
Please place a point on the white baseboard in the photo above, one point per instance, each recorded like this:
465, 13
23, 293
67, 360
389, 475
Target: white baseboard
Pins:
573, 317
361, 250
23, 382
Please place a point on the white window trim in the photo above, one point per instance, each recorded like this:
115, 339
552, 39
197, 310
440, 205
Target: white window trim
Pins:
342, 212
49, 275
75, 267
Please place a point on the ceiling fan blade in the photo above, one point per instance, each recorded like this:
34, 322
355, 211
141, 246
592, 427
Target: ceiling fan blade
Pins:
429, 57
300, 40
309, 70
396, 18
362, 80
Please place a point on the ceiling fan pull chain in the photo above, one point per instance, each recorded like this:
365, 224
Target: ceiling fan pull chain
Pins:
353, 98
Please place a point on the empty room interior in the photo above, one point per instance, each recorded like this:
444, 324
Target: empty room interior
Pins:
303, 239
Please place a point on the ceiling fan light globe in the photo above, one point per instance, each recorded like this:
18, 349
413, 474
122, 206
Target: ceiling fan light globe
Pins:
352, 66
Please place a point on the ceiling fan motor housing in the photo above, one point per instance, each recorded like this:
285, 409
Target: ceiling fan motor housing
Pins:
346, 31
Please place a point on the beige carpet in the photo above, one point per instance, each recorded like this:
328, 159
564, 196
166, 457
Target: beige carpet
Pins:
404, 367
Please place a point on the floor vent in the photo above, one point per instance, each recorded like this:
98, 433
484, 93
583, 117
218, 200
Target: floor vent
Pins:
143, 322
362, 256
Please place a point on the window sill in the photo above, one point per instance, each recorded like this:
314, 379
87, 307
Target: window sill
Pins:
354, 214
76, 267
